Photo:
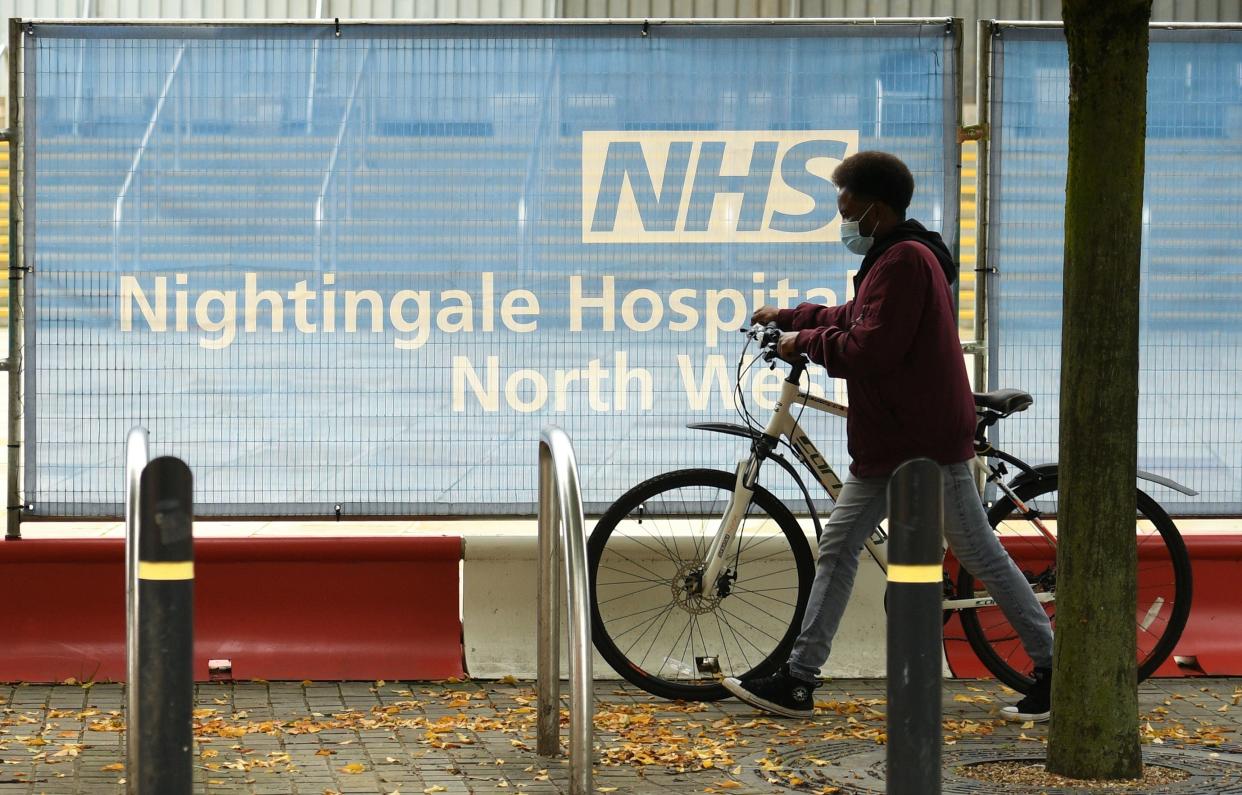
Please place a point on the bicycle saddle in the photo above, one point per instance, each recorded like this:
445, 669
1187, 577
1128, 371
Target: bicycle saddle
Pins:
1005, 401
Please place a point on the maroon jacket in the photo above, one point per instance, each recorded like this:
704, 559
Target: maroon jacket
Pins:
896, 345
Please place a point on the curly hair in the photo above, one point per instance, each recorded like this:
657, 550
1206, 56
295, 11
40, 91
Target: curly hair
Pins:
876, 175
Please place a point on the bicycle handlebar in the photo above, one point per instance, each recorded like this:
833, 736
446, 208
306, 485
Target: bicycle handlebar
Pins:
769, 336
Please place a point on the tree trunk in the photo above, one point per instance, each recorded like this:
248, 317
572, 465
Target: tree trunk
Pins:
1094, 732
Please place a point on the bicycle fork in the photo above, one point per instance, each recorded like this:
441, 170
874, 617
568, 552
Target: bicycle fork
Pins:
714, 564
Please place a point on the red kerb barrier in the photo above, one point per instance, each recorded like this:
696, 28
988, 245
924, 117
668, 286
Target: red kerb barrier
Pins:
1211, 644
277, 608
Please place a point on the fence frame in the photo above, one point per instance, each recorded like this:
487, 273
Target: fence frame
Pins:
22, 462
14, 363
987, 342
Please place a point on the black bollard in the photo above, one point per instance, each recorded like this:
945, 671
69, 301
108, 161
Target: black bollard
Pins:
915, 553
166, 630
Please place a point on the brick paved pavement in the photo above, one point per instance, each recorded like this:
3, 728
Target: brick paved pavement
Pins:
461, 737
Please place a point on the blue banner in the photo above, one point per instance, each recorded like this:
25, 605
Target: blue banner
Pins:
360, 273
1190, 391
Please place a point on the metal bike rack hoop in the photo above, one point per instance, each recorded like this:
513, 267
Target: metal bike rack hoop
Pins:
136, 456
561, 536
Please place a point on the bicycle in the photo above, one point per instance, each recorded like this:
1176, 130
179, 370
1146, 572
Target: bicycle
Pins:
700, 574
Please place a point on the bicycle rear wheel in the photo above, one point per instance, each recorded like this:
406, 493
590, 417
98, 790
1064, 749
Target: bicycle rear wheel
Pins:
1164, 582
644, 553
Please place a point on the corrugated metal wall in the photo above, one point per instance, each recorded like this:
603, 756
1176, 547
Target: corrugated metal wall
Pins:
969, 10
278, 9
1175, 10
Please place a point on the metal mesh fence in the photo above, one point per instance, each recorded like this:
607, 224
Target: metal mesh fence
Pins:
1190, 404
360, 272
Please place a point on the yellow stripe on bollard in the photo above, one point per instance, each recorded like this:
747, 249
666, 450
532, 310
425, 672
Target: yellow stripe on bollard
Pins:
179, 570
898, 572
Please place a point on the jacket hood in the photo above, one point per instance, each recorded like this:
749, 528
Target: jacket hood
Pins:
909, 230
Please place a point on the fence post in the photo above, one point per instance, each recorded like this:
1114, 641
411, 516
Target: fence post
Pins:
915, 553
17, 283
166, 632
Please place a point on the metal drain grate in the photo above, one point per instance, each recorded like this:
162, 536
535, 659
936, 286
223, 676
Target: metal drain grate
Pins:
860, 771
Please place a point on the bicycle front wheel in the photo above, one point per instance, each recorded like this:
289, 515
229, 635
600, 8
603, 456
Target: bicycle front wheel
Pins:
1164, 581
647, 620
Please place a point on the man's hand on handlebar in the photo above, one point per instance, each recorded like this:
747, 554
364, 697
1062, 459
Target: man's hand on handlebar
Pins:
764, 315
788, 345
776, 344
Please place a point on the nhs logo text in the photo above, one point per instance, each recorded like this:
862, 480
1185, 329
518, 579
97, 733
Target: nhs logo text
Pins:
751, 186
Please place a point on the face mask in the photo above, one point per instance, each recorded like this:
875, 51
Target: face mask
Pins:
853, 239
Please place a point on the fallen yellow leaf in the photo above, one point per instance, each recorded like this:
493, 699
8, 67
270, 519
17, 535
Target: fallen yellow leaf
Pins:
436, 788
730, 784
965, 699
353, 767
115, 767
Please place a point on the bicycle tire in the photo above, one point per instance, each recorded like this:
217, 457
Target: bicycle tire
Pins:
986, 629
669, 521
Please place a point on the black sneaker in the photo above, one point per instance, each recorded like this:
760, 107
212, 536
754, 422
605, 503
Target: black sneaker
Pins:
1037, 705
781, 693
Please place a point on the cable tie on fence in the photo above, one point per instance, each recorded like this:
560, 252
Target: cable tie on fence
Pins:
646, 26
338, 27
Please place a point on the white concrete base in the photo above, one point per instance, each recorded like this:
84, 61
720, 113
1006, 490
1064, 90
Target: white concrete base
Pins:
499, 608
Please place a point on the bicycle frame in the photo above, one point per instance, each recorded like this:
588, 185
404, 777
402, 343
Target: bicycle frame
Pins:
783, 423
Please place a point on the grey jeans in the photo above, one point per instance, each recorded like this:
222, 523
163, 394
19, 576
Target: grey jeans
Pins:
863, 503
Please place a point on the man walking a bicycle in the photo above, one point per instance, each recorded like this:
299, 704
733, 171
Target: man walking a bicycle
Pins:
896, 345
